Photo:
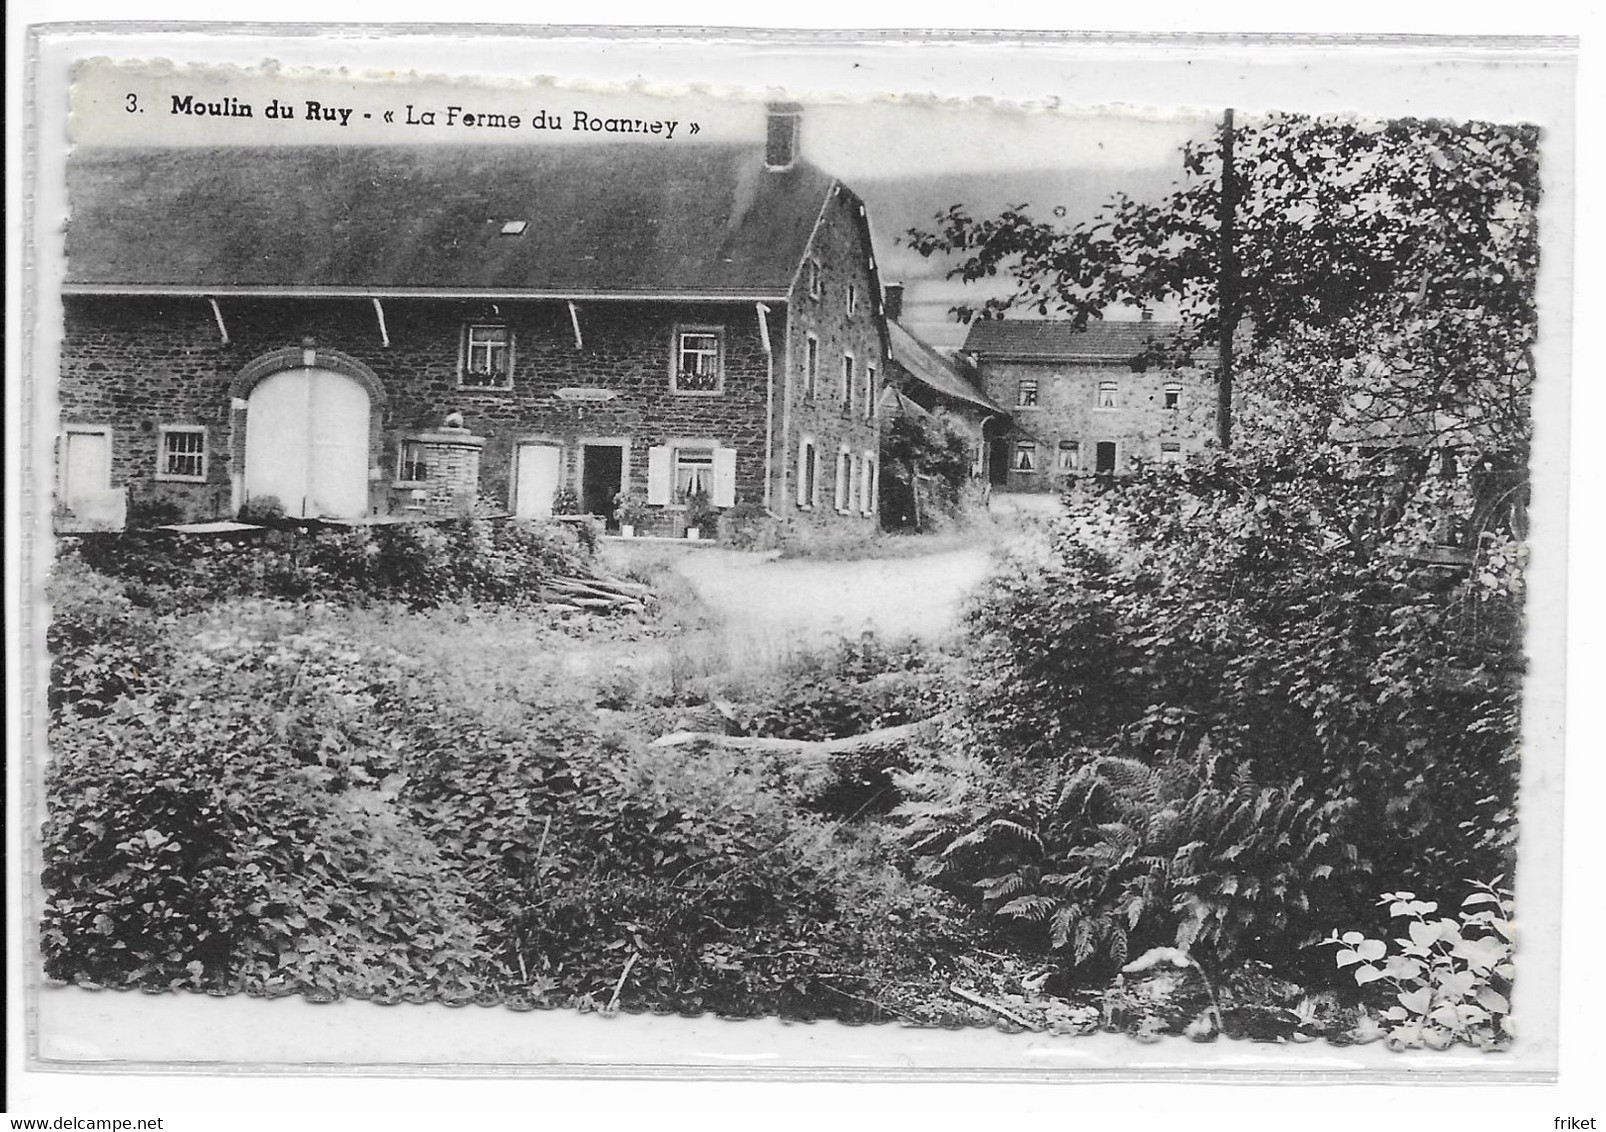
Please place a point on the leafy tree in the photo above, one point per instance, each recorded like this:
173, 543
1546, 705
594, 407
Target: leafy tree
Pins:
1385, 269
916, 445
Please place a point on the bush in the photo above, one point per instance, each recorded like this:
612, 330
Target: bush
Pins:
1449, 980
1260, 613
915, 446
749, 526
231, 826
1104, 858
420, 564
856, 685
282, 806
102, 646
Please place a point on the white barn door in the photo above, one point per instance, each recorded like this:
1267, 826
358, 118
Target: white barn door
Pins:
539, 473
306, 443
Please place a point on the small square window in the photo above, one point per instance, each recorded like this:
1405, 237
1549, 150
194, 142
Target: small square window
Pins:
487, 356
699, 360
183, 453
1026, 393
412, 463
1170, 453
1107, 395
1173, 395
1026, 456
1070, 455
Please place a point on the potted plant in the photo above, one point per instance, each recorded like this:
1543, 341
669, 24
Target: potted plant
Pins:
565, 501
630, 509
701, 515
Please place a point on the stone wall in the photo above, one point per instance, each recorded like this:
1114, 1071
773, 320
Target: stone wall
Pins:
1068, 410
841, 248
137, 364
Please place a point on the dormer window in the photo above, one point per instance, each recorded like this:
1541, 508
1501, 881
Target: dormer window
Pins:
699, 359
487, 356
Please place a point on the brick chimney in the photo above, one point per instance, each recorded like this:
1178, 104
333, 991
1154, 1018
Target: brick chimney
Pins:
781, 136
892, 301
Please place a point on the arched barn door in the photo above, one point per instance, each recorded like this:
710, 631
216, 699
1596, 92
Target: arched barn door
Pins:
306, 443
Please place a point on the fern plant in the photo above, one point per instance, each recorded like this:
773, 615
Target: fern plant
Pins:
1109, 856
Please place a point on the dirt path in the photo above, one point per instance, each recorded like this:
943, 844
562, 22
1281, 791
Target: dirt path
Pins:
895, 596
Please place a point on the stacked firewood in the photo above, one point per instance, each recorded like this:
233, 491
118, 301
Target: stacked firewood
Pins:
595, 595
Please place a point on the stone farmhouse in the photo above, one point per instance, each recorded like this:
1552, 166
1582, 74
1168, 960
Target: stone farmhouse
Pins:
937, 385
383, 332
1090, 401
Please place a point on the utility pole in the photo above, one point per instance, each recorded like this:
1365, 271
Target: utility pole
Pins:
1227, 285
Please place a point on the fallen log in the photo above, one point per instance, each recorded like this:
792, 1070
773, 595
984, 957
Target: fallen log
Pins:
884, 739
847, 774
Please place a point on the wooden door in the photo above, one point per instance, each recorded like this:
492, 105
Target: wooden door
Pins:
539, 471
85, 468
306, 443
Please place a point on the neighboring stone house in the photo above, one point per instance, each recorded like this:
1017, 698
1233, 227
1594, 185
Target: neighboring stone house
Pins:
937, 385
391, 331
1088, 401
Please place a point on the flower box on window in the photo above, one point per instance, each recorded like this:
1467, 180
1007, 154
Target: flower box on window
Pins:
487, 361
690, 381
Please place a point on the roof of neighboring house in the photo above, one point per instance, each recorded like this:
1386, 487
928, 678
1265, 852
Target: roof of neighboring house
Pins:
623, 218
934, 371
1048, 340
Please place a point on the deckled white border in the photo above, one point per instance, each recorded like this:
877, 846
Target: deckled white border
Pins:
1506, 110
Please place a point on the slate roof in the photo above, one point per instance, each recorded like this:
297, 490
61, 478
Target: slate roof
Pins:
934, 371
661, 218
1059, 341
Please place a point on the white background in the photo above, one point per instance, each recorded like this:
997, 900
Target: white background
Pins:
247, 1102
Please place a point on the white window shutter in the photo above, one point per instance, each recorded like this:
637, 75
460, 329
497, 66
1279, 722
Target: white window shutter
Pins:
724, 477
658, 475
